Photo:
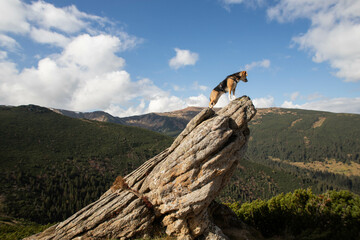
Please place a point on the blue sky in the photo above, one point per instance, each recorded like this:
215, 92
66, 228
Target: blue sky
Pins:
130, 57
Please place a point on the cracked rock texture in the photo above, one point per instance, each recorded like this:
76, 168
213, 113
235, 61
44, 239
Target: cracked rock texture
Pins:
181, 183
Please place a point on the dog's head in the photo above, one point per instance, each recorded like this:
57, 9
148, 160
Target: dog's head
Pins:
243, 76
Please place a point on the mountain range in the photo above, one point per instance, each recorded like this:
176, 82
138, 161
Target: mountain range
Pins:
54, 161
169, 123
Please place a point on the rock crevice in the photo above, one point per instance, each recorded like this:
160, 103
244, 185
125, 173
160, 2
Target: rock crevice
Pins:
180, 183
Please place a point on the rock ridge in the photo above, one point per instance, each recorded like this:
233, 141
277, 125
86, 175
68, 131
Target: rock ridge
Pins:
180, 183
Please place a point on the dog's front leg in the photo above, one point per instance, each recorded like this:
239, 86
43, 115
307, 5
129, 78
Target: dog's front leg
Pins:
230, 98
233, 96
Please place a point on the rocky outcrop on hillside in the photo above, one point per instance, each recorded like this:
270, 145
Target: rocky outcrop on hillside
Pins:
175, 189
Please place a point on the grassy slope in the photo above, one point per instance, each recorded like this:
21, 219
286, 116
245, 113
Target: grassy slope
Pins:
13, 229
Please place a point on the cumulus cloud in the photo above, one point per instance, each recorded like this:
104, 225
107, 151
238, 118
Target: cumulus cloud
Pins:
290, 104
166, 103
43, 22
97, 54
338, 105
333, 35
265, 63
119, 111
183, 58
67, 19
198, 101
264, 102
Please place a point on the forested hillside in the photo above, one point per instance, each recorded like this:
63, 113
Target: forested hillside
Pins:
305, 136
52, 165
290, 148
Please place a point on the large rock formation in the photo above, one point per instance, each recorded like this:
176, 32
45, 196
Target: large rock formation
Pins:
174, 189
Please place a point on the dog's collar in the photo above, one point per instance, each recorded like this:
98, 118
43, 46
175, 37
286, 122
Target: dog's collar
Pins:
236, 79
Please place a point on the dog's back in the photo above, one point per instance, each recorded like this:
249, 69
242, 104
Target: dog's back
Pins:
222, 86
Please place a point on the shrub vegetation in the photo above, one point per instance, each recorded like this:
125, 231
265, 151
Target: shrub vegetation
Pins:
304, 215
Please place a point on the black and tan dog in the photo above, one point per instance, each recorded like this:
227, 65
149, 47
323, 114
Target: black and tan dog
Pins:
228, 85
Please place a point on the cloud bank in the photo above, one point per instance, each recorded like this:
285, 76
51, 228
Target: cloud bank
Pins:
338, 105
84, 72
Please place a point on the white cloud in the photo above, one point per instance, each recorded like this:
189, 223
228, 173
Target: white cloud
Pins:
290, 104
47, 24
127, 41
49, 37
13, 17
198, 101
101, 91
265, 63
166, 103
339, 105
116, 110
334, 33
95, 53
264, 102
183, 58
68, 19
8, 43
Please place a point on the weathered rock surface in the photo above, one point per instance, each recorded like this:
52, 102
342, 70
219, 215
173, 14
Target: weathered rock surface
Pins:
180, 183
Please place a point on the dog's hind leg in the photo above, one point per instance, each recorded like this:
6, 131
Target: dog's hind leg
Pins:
214, 97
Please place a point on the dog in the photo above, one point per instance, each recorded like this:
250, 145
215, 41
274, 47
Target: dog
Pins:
227, 85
